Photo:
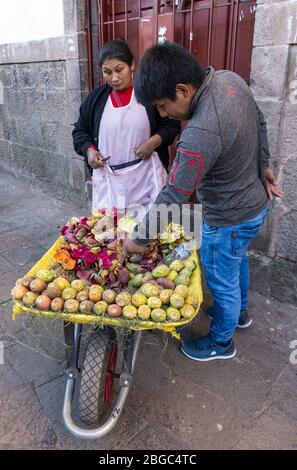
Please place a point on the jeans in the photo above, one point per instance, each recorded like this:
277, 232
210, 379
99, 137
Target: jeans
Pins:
226, 268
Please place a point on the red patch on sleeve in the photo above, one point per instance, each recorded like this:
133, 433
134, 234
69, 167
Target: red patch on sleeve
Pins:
195, 161
231, 91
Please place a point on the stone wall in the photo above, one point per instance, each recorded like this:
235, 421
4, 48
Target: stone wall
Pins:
44, 83
274, 83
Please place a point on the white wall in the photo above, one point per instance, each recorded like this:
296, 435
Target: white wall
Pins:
27, 20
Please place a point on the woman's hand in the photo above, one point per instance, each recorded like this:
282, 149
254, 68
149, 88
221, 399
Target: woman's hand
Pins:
270, 184
94, 159
130, 248
147, 147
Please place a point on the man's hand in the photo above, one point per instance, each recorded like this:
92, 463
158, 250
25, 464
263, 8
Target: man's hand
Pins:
94, 159
130, 247
270, 184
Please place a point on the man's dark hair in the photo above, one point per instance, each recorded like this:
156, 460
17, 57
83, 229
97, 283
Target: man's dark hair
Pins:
162, 67
117, 49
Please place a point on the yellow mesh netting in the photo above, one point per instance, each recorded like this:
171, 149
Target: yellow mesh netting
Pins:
48, 262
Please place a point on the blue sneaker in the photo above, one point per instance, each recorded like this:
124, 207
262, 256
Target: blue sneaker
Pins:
205, 349
244, 319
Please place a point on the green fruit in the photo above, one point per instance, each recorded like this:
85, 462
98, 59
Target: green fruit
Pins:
182, 280
147, 277
130, 312
149, 290
47, 275
176, 300
185, 272
62, 283
191, 264
144, 312
165, 296
173, 314
100, 307
29, 298
158, 315
172, 275
139, 299
187, 311
182, 290
154, 302
69, 293
136, 281
161, 271
78, 285
177, 265
134, 268
192, 299
123, 299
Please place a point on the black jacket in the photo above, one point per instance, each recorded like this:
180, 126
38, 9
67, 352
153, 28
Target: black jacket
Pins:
86, 128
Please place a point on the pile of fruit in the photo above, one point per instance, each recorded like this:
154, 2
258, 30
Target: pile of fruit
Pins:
162, 295
88, 279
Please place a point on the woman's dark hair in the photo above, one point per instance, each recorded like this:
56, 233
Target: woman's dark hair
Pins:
162, 67
117, 49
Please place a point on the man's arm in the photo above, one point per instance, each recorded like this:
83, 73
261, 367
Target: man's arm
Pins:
197, 151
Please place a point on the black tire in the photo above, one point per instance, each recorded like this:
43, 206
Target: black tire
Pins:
92, 409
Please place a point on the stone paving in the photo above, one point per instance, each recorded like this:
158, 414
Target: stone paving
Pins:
175, 403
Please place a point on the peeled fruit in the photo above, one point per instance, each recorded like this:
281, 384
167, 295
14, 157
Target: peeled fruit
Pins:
192, 299
173, 314
177, 265
158, 314
57, 304
47, 275
82, 295
37, 286
71, 305
166, 283
53, 290
95, 293
149, 290
161, 271
78, 285
176, 300
187, 311
138, 300
130, 312
69, 293
191, 264
123, 299
43, 302
182, 290
184, 280
165, 296
29, 298
172, 275
62, 283
100, 307
154, 302
18, 292
86, 306
144, 312
114, 311
26, 281
109, 296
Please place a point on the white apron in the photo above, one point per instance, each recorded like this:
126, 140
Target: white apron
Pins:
135, 188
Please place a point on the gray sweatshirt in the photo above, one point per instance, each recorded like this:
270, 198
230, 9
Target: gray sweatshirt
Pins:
221, 155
